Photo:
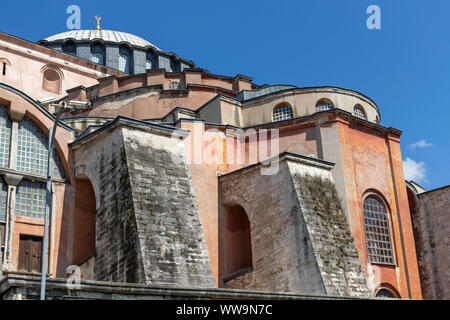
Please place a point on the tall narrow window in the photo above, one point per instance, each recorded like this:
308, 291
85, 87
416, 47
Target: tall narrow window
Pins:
283, 112
97, 58
3, 196
30, 248
5, 134
4, 69
323, 105
148, 64
377, 230
124, 63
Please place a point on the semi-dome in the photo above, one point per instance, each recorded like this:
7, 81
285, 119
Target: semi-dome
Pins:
105, 35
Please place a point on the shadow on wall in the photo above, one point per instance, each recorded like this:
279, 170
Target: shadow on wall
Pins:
236, 241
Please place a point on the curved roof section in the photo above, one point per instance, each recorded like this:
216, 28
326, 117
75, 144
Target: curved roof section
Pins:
105, 35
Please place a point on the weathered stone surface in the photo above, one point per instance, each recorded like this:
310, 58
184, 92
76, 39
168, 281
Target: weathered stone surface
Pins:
19, 287
301, 241
171, 236
431, 225
148, 228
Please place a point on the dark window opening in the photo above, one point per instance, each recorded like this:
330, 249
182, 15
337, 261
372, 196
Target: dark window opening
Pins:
4, 69
385, 293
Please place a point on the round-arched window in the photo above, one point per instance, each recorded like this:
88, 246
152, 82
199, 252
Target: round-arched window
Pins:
148, 64
377, 230
124, 63
323, 105
385, 293
97, 57
359, 112
283, 112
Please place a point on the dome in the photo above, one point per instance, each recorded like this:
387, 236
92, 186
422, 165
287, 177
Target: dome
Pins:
105, 35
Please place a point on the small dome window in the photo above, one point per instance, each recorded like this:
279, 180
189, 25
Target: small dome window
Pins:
148, 64
359, 112
283, 112
174, 85
323, 105
97, 58
124, 63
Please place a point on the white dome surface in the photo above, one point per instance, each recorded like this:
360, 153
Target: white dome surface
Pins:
105, 35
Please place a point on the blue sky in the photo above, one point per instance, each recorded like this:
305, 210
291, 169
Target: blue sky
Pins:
404, 67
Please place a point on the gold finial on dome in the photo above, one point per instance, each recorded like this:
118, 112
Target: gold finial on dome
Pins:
98, 22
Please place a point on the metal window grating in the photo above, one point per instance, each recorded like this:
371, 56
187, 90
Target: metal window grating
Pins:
358, 111
323, 105
283, 113
124, 63
5, 136
97, 58
377, 229
30, 199
32, 149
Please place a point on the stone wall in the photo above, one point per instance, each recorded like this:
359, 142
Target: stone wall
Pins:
171, 236
147, 223
431, 223
301, 241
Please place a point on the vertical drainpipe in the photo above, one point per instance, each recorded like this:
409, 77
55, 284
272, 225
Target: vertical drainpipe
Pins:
398, 216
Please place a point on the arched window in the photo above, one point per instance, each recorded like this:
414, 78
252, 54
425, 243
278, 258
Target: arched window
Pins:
3, 195
124, 63
323, 105
359, 112
385, 293
148, 64
5, 134
174, 85
97, 57
283, 112
4, 64
32, 146
70, 48
51, 81
377, 230
30, 199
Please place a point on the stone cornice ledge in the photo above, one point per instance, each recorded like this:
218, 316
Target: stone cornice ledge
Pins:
89, 289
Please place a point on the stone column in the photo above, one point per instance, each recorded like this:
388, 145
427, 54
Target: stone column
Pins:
13, 181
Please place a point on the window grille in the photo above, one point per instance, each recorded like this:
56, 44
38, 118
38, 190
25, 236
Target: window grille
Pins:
30, 199
174, 85
32, 146
358, 111
323, 105
124, 63
97, 58
377, 229
5, 134
282, 113
148, 64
